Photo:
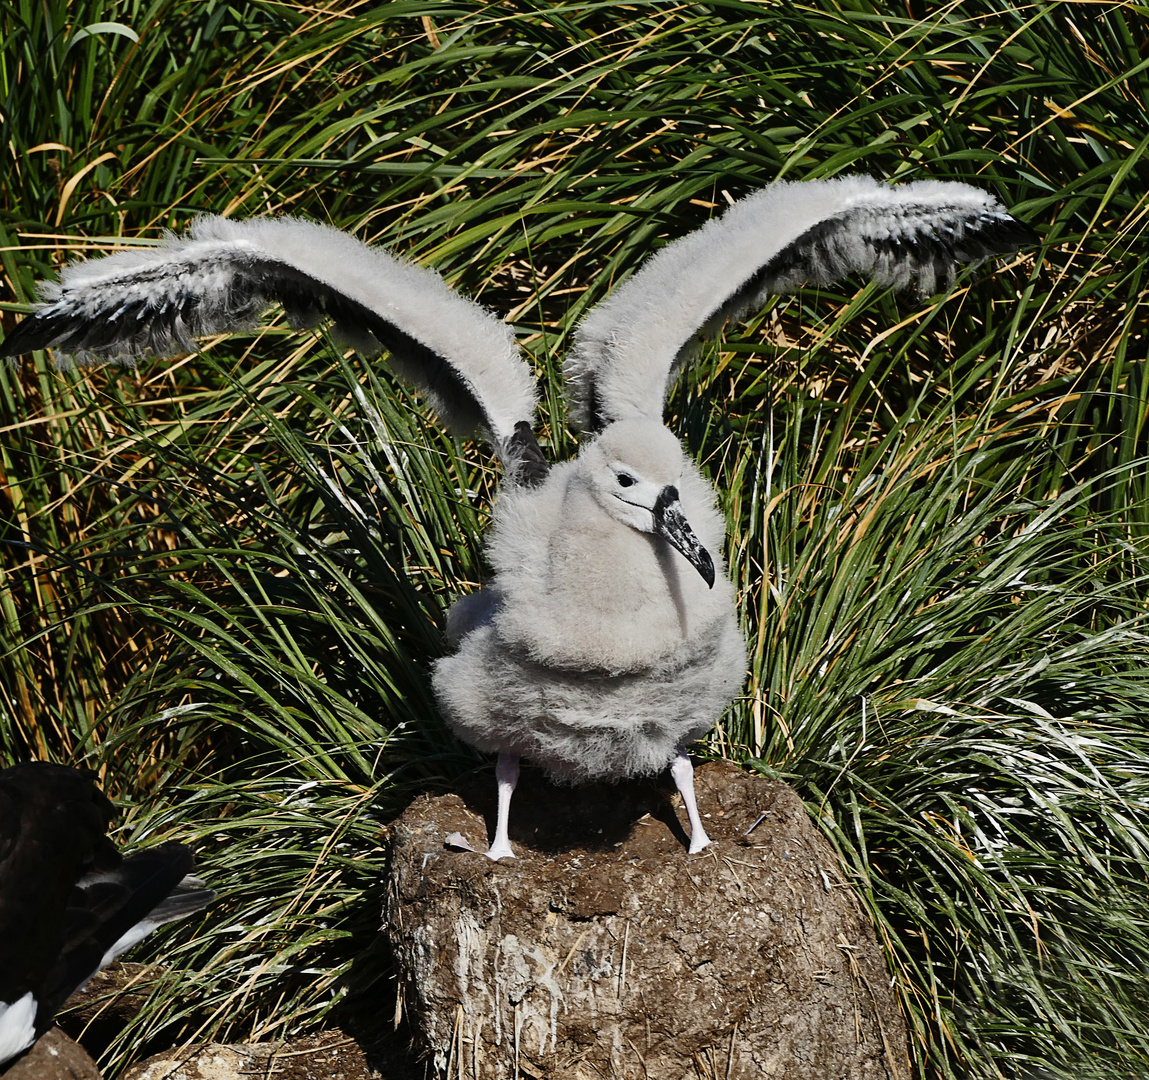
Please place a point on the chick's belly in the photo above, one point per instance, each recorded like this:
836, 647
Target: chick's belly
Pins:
578, 725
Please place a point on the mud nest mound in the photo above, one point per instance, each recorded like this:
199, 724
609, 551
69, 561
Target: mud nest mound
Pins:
605, 950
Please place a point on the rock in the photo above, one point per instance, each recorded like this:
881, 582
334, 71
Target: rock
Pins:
97, 1014
53, 1057
630, 958
332, 1056
211, 1061
114, 995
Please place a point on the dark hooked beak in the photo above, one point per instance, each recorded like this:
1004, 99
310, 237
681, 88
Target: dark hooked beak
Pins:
670, 523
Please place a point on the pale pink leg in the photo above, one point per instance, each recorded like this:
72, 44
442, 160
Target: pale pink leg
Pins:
683, 773
507, 775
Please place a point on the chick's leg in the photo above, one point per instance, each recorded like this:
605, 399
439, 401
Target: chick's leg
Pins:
507, 775
683, 773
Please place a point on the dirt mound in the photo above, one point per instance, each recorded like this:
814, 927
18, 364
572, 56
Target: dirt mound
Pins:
605, 950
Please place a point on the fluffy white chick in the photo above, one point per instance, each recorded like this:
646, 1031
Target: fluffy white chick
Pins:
609, 637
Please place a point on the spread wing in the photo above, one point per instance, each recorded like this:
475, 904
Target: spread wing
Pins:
225, 273
628, 348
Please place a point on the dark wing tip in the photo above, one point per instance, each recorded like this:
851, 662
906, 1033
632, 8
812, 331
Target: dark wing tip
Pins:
154, 309
36, 331
922, 245
986, 236
117, 335
1017, 233
523, 457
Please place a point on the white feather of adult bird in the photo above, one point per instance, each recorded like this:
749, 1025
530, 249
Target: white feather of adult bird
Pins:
608, 637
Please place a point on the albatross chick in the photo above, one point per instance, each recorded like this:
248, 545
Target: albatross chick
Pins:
608, 636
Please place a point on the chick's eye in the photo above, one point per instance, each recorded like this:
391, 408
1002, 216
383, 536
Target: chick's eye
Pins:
625, 479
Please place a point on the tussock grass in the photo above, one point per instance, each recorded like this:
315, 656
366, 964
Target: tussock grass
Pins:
224, 579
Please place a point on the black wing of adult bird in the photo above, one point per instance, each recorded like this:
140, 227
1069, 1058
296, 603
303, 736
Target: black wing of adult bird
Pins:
608, 637
69, 902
